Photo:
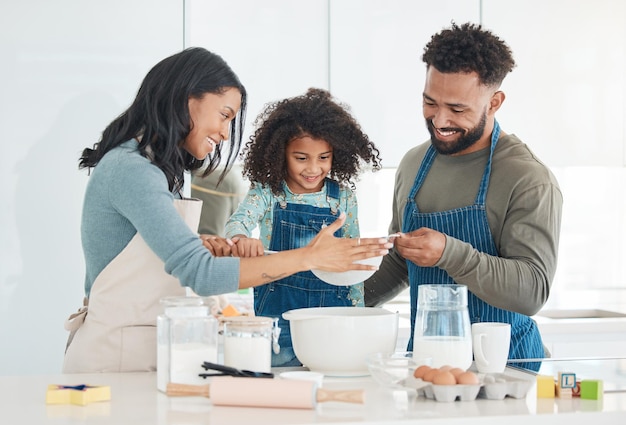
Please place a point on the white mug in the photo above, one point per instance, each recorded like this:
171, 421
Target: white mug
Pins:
490, 343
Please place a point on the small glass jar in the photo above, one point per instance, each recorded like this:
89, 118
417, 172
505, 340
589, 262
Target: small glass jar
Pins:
186, 337
249, 341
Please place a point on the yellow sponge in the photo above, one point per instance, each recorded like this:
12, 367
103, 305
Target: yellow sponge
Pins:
545, 386
78, 394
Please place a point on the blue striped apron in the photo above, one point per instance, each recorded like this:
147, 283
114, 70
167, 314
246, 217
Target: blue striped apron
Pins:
470, 225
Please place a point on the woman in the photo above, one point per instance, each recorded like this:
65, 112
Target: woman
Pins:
138, 233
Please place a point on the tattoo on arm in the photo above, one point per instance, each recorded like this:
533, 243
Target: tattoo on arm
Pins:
271, 278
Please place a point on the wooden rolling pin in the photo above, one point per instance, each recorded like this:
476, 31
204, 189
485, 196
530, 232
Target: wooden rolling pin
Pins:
255, 392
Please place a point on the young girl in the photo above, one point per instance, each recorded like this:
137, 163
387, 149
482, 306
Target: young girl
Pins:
301, 161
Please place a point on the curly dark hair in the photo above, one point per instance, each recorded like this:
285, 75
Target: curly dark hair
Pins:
469, 48
314, 114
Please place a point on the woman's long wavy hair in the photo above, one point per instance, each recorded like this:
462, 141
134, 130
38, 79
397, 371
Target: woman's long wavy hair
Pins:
159, 115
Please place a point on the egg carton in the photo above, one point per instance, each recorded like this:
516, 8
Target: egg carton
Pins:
448, 393
491, 387
499, 386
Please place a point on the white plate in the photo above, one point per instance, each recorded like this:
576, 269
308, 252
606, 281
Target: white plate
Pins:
350, 277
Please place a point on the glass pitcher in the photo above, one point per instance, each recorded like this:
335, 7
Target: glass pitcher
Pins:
442, 326
186, 338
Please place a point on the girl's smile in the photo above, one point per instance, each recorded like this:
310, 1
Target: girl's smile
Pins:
308, 163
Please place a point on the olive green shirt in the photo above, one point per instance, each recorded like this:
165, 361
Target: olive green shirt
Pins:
524, 205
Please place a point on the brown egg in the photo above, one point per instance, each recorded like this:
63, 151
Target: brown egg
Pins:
456, 371
421, 371
467, 378
430, 374
444, 378
445, 367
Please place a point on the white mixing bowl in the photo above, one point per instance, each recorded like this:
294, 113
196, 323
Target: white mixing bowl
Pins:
336, 341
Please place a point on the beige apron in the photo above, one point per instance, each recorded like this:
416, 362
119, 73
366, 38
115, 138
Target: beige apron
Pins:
119, 332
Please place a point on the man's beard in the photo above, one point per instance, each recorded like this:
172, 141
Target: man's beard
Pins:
464, 142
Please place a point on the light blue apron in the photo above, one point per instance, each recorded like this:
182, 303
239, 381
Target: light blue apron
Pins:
468, 224
294, 226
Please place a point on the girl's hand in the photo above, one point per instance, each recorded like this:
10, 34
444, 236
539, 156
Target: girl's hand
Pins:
246, 247
329, 253
218, 246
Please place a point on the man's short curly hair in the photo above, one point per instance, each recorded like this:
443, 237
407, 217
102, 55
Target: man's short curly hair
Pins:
315, 114
470, 48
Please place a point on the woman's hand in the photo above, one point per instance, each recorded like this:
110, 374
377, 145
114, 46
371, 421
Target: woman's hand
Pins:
246, 247
326, 252
219, 247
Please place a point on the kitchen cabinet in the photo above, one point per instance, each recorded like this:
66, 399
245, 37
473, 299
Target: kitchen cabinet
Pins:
575, 337
278, 48
321, 43
567, 97
382, 42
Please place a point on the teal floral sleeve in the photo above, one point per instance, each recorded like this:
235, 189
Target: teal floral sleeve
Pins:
350, 206
249, 213
351, 230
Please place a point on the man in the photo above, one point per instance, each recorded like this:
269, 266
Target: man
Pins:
474, 205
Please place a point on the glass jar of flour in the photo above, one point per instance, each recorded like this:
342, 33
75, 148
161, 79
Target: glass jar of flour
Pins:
249, 341
186, 337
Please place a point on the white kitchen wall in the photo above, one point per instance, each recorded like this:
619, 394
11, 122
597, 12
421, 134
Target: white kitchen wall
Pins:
567, 96
382, 43
68, 68
278, 48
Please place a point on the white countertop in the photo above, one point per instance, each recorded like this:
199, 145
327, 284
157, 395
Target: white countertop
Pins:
135, 400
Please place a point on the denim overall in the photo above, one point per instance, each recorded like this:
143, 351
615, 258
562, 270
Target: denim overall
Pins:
294, 226
468, 224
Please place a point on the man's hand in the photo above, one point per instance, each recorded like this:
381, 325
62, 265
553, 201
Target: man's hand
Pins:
423, 246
